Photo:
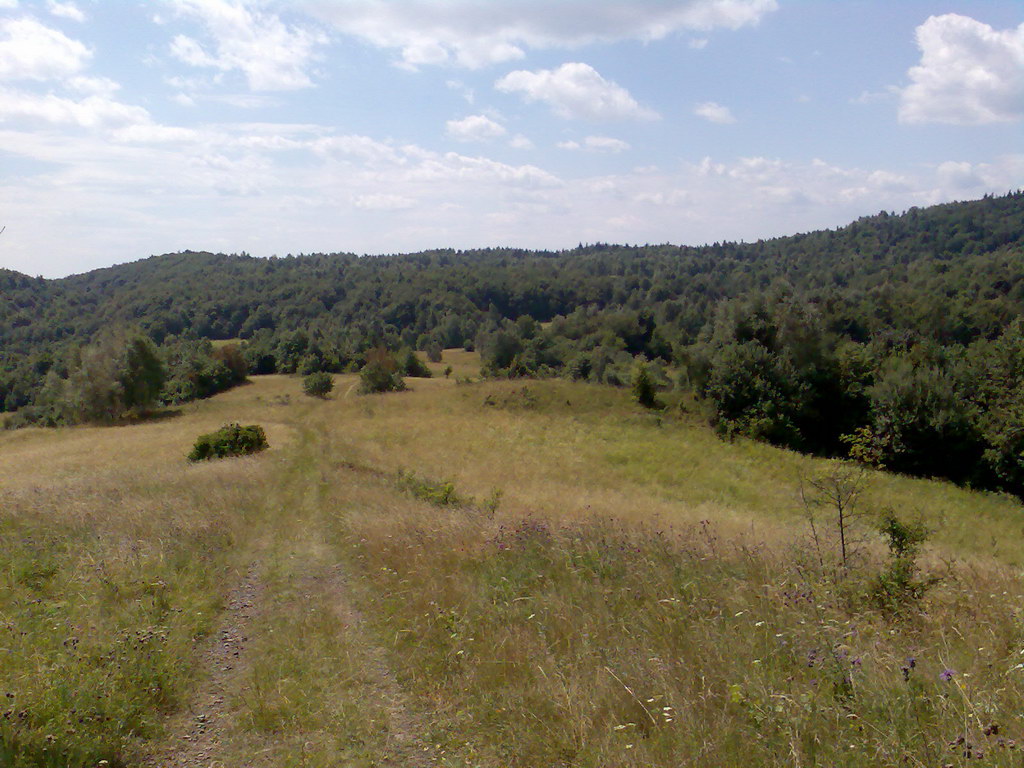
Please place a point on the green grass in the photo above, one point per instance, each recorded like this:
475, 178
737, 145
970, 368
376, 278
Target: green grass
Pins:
612, 587
102, 593
601, 643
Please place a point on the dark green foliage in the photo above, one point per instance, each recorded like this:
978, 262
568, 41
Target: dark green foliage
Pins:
644, 391
499, 351
755, 393
922, 417
198, 370
898, 582
380, 373
109, 380
142, 375
800, 340
433, 351
319, 384
229, 440
409, 364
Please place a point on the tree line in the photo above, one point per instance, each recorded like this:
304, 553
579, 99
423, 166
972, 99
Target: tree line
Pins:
896, 337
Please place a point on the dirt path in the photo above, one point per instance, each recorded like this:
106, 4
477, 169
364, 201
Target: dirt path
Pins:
195, 735
205, 735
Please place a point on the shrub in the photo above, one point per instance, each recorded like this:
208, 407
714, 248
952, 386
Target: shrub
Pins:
441, 493
380, 374
898, 583
644, 391
229, 440
318, 384
410, 365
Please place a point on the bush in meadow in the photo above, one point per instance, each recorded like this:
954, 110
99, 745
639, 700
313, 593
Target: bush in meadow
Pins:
229, 440
318, 384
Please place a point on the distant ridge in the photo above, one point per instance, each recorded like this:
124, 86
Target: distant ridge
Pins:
962, 261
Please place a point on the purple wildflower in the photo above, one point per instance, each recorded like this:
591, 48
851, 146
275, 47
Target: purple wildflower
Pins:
946, 675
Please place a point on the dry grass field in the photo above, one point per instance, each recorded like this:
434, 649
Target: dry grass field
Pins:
487, 574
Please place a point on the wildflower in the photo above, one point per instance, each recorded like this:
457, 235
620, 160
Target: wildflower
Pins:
946, 675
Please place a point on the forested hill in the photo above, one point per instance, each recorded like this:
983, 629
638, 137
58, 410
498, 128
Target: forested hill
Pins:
792, 339
952, 272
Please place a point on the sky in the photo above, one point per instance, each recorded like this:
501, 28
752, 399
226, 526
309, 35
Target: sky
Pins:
129, 129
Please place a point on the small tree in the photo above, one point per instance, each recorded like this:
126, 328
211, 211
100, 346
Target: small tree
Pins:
898, 582
837, 490
434, 352
643, 387
409, 364
380, 374
318, 384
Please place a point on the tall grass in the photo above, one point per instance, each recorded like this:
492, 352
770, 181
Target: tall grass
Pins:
508, 573
607, 643
115, 559
103, 593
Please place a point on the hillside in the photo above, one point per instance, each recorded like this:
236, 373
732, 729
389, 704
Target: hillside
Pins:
490, 574
897, 339
951, 272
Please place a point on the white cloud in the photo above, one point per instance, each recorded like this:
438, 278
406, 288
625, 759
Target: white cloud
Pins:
969, 74
462, 88
714, 113
145, 133
8, 4
959, 176
698, 43
888, 181
596, 144
576, 91
665, 197
382, 202
272, 55
97, 86
65, 11
455, 167
32, 51
474, 128
520, 142
90, 112
471, 33
871, 97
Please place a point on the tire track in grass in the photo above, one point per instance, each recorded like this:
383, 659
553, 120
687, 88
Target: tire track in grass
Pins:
406, 746
206, 733
195, 736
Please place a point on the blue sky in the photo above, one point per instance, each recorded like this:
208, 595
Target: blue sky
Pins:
379, 126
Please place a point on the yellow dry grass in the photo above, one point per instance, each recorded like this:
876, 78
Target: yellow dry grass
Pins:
566, 450
539, 635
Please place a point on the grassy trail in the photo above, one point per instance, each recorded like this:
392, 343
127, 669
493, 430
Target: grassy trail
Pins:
641, 594
309, 687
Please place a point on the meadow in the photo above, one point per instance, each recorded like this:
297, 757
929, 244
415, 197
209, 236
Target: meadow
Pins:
501, 573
